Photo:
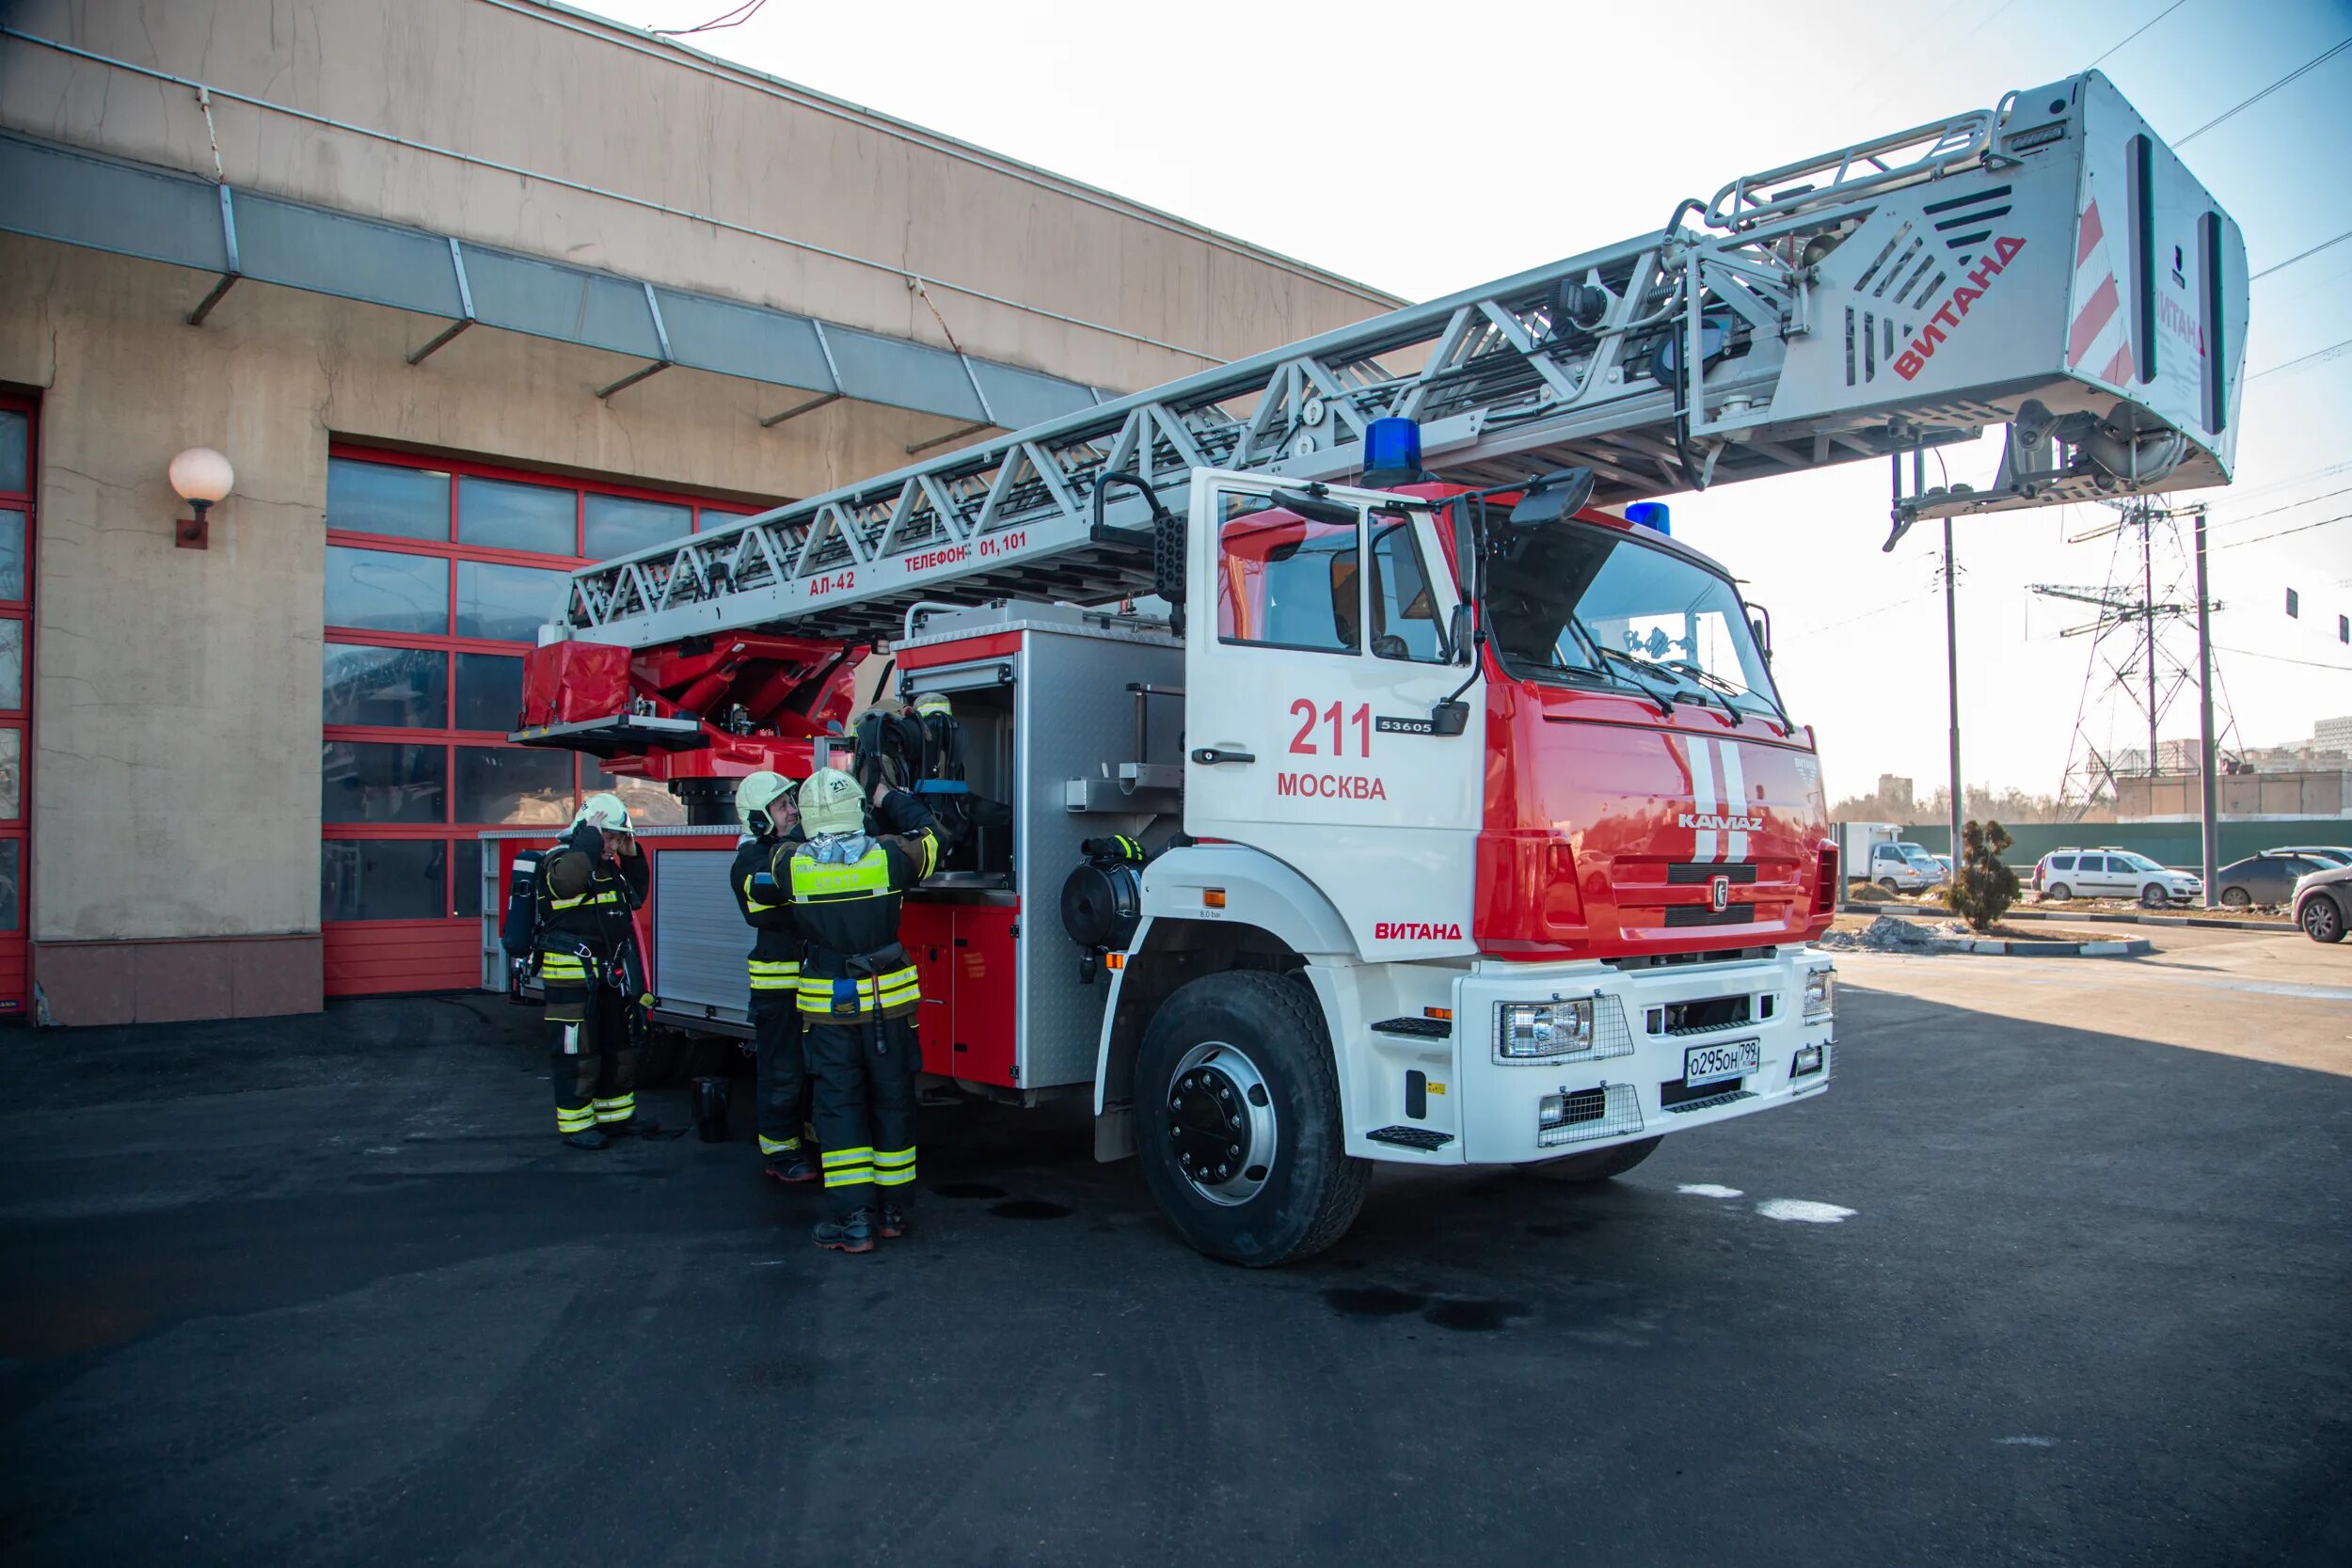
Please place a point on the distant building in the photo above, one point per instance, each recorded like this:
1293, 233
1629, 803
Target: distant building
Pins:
1899, 794
2333, 734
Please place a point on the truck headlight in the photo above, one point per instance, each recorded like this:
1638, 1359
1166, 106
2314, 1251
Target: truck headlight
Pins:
1806, 1062
1530, 1031
1820, 996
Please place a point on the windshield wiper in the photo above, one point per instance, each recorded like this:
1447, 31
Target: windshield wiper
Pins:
1729, 690
1714, 685
1663, 699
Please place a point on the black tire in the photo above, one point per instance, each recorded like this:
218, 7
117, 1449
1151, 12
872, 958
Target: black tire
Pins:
1888, 884
2322, 920
1600, 1165
2059, 892
2152, 896
1308, 1193
2237, 898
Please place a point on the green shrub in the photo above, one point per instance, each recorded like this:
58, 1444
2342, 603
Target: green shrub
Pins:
1982, 887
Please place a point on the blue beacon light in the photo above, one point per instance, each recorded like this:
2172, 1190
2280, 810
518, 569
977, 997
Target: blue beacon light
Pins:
1652, 514
1392, 452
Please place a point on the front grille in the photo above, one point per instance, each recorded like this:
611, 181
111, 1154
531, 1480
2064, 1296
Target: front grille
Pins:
1607, 1112
1700, 1018
1689, 873
1678, 960
1708, 1103
1699, 914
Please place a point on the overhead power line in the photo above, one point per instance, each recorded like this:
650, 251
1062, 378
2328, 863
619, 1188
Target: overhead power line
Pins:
2314, 663
2242, 108
734, 18
2300, 528
2142, 29
2327, 353
2314, 250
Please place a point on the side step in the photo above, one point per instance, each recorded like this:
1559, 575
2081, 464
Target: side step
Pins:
1422, 1138
1419, 1028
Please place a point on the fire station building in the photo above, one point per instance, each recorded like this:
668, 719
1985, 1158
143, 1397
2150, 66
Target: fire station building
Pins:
465, 292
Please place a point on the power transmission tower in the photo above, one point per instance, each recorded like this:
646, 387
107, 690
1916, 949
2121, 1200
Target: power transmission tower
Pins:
2143, 654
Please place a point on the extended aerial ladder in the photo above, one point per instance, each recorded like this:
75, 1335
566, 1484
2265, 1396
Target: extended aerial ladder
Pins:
1368, 860
2046, 265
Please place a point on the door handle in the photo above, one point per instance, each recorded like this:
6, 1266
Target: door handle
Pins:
1209, 757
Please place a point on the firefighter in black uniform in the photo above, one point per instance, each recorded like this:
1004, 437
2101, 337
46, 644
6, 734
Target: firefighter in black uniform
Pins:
574, 917
764, 802
858, 995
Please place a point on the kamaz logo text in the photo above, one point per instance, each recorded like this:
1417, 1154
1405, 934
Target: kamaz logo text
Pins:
1719, 824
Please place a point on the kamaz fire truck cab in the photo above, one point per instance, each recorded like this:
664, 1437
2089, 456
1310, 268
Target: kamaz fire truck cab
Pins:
1449, 814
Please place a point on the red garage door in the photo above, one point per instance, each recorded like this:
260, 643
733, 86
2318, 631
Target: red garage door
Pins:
439, 576
17, 434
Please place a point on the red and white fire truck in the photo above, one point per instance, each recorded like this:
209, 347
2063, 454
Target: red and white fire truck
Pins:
1479, 832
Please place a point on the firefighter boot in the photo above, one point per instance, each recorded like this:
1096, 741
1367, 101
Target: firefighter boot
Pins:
794, 1168
894, 1223
853, 1232
587, 1138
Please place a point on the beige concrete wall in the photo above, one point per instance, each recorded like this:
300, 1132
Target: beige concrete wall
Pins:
560, 95
175, 761
175, 725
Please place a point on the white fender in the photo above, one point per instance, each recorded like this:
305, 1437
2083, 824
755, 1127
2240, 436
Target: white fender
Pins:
1259, 891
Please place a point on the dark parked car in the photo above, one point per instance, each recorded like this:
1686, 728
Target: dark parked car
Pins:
2323, 904
2265, 878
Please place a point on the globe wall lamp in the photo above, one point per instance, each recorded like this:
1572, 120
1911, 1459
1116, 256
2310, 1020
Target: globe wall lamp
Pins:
201, 477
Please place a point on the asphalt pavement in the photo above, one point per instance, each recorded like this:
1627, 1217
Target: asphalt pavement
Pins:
2058, 1273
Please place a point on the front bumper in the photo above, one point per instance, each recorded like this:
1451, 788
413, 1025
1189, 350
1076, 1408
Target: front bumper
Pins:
1628, 1083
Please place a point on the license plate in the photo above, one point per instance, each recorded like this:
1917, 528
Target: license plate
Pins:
1708, 1064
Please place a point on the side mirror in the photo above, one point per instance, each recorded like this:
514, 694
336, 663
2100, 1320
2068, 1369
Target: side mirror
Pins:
1760, 623
1553, 496
1314, 508
1458, 635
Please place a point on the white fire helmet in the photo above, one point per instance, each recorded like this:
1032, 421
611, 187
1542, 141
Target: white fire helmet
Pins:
605, 810
756, 801
831, 802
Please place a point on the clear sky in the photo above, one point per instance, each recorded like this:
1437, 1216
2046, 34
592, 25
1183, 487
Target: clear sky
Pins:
1331, 133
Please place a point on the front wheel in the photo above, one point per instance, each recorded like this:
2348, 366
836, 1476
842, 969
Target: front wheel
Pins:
1889, 883
2152, 897
2237, 898
1237, 1121
2322, 921
2059, 892
1600, 1165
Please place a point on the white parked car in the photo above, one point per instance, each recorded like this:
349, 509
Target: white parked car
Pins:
2111, 873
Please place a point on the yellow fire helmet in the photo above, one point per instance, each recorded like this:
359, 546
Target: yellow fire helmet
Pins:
756, 801
934, 702
831, 802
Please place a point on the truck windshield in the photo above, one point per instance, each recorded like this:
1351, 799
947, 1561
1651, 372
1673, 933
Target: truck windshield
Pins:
1584, 601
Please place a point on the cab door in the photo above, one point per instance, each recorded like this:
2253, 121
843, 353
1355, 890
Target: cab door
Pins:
1317, 644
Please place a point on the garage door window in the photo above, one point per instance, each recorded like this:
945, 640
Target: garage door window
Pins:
440, 573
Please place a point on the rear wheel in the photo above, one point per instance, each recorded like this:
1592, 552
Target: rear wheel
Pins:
2059, 890
2152, 896
1600, 1165
2322, 921
2237, 898
1237, 1121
